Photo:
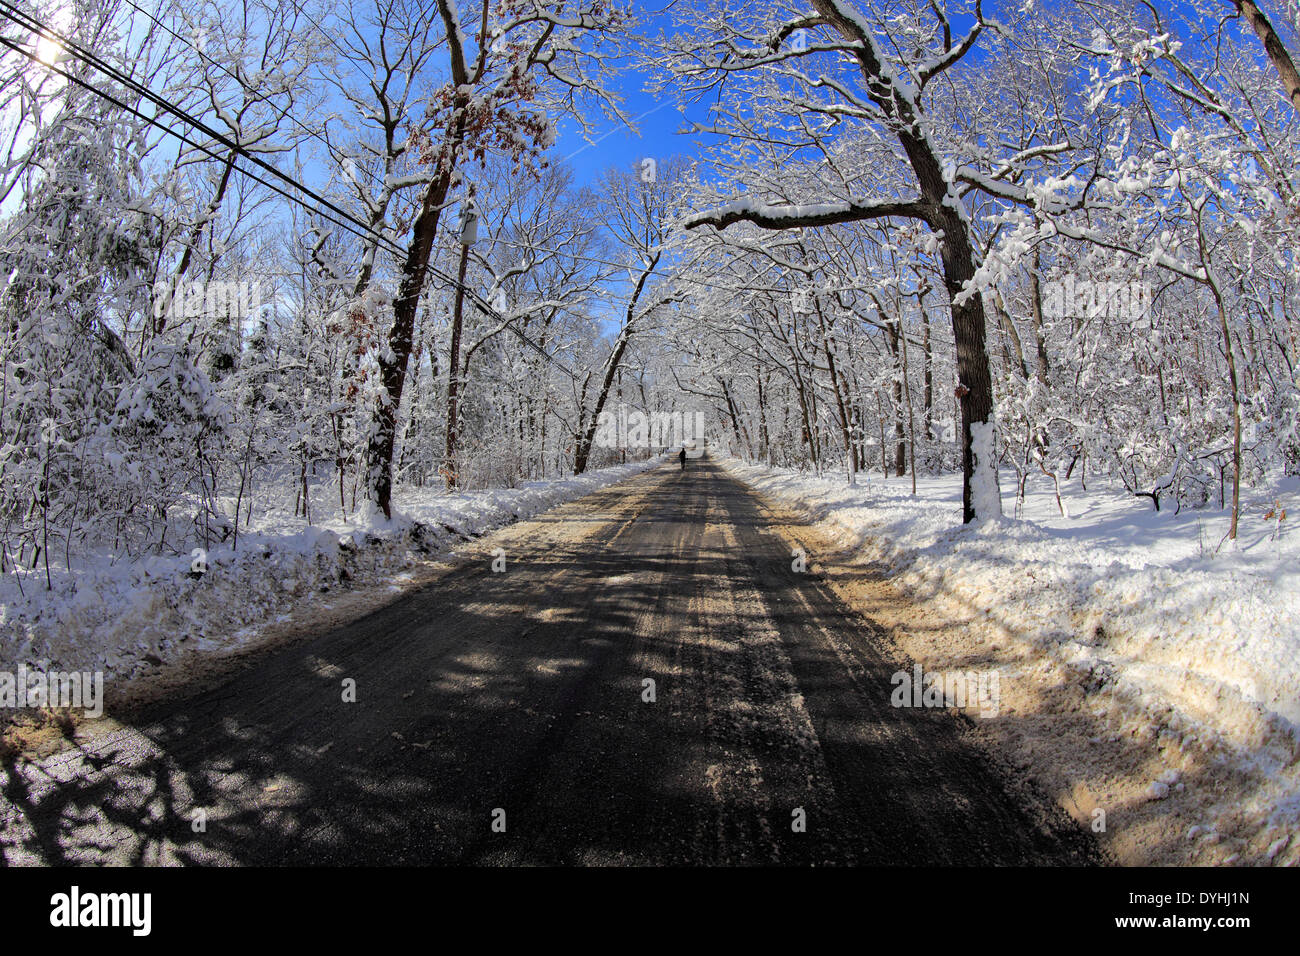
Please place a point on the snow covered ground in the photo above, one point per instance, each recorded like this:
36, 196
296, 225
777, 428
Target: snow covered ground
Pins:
122, 618
1190, 638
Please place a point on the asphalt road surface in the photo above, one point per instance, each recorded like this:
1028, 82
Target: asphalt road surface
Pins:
519, 699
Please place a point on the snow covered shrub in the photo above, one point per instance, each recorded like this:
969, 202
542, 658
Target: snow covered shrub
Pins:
71, 254
170, 426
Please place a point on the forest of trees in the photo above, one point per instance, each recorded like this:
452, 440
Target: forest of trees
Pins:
1053, 236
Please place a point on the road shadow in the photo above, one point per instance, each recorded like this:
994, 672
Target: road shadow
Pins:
520, 699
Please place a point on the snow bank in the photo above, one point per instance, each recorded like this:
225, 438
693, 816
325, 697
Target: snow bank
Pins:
1156, 606
123, 617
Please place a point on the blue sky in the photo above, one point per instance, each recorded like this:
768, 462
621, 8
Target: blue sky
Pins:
657, 120
655, 116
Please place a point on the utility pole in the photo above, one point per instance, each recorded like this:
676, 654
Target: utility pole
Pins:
468, 235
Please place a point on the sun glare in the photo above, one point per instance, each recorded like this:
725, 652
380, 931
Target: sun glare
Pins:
48, 50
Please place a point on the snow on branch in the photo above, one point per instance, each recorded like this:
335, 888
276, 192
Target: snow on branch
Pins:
951, 54
792, 216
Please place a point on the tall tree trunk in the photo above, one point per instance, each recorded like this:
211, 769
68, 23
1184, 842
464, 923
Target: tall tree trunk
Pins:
1042, 366
927, 360
1274, 47
911, 419
765, 445
941, 207
1012, 334
583, 452
974, 383
894, 336
393, 360
1233, 381
453, 376
841, 407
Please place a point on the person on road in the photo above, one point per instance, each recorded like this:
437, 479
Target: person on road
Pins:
681, 456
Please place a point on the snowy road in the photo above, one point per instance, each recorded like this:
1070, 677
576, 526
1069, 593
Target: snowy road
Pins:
518, 699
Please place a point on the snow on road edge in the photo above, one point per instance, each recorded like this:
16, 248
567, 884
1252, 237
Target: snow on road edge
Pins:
1220, 645
124, 618
1202, 653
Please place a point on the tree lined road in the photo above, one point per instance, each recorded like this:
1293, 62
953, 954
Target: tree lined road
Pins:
524, 692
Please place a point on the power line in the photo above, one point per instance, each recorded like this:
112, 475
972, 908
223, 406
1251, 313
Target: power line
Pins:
80, 54
162, 126
29, 22
362, 230
367, 231
284, 113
